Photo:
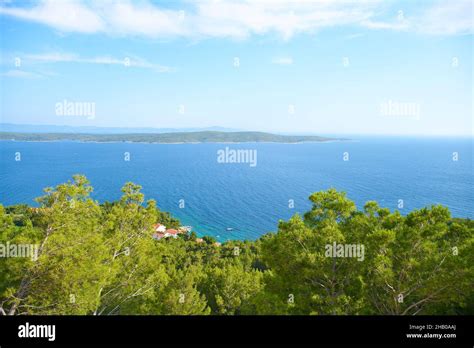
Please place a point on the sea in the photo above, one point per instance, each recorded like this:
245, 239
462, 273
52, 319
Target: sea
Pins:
236, 198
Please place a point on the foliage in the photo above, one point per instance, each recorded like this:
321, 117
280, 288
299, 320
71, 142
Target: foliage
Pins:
101, 259
185, 137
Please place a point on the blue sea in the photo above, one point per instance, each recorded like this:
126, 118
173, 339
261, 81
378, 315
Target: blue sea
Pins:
250, 200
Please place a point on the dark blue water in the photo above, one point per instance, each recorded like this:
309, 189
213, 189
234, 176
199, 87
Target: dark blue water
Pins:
251, 200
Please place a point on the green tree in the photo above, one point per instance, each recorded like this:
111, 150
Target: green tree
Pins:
68, 269
102, 259
421, 262
230, 288
134, 270
303, 279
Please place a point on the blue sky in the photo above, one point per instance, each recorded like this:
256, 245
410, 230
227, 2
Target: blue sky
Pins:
322, 67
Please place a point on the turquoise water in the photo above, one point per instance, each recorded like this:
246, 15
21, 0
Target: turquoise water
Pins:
251, 200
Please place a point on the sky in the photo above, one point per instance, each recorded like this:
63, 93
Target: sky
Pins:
314, 67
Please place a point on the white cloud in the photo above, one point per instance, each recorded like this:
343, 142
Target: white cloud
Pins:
443, 18
51, 57
283, 60
235, 19
353, 36
69, 16
396, 25
21, 74
128, 61
225, 18
448, 18
286, 18
145, 19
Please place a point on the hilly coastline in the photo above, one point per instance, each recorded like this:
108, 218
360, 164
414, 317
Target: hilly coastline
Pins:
169, 138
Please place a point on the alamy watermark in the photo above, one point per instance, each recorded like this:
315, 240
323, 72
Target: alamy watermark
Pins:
400, 109
228, 155
345, 250
69, 108
37, 331
19, 250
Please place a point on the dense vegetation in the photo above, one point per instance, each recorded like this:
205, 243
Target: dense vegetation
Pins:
101, 259
180, 137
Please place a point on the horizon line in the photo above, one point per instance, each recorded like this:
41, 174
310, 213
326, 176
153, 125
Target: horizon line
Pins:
233, 130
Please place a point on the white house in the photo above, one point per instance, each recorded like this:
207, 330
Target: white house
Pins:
159, 228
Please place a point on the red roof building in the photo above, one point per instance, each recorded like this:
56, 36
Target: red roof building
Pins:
159, 227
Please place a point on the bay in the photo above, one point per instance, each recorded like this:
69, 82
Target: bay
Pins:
240, 201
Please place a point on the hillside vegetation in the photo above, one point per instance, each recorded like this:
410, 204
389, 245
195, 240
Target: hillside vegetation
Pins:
101, 259
181, 137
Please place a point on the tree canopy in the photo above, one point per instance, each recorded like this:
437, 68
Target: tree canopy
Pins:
101, 259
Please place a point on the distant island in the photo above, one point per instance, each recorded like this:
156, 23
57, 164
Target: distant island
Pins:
49, 128
169, 138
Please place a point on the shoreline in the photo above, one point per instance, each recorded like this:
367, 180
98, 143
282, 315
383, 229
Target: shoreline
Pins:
178, 143
170, 138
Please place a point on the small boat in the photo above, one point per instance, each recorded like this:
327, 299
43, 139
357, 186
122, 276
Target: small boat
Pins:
229, 229
185, 229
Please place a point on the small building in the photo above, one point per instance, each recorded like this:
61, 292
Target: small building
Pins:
166, 234
160, 231
171, 233
158, 235
159, 228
